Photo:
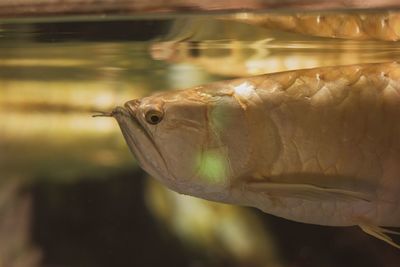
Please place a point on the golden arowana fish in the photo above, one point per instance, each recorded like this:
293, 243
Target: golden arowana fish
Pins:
320, 146
356, 26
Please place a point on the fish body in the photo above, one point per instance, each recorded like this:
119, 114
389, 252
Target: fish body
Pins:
319, 146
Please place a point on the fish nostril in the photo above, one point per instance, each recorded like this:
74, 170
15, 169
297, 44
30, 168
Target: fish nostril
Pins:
132, 106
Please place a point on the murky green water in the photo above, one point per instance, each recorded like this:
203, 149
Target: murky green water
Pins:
71, 193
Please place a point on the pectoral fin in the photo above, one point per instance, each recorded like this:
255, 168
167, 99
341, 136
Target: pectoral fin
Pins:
305, 191
380, 233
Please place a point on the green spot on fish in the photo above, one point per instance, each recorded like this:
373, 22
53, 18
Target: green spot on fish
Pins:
220, 117
212, 166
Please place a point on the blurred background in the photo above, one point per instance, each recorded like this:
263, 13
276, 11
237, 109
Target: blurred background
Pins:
71, 194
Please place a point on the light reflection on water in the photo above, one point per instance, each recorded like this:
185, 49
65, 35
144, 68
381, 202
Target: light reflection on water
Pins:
69, 182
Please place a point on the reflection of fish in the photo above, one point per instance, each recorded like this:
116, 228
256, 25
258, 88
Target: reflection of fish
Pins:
242, 59
246, 44
355, 26
319, 146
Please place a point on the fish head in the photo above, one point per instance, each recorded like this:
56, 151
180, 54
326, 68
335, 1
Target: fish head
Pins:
170, 136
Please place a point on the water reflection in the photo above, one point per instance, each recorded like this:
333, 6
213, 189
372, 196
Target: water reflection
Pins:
232, 46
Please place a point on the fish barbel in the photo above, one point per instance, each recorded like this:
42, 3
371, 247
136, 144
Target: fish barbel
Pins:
319, 146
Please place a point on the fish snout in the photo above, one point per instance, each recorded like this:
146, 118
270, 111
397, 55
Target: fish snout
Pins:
132, 106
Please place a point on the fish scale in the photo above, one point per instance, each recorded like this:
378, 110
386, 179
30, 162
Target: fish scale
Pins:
350, 131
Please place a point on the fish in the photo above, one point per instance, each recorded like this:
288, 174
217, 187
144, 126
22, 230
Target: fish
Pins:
318, 146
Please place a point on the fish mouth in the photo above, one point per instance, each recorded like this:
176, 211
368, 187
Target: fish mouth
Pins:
139, 141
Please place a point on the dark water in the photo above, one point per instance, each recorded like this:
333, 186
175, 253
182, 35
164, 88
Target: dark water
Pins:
71, 193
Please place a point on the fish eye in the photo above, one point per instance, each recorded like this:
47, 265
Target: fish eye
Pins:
154, 116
